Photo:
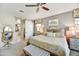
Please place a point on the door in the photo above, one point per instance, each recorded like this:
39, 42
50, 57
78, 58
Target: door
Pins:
28, 29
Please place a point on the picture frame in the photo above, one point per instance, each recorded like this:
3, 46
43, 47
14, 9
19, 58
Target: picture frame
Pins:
53, 22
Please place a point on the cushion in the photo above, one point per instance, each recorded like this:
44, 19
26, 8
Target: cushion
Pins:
60, 33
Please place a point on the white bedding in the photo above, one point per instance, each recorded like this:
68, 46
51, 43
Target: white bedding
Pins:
50, 43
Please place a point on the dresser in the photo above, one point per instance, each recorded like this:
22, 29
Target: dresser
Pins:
74, 44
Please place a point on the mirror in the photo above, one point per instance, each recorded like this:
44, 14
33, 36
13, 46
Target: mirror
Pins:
7, 29
7, 35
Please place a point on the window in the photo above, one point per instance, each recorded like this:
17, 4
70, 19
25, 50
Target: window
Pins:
77, 21
38, 27
77, 24
18, 24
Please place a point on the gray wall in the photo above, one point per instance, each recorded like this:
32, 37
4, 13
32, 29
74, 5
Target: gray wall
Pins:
7, 19
65, 19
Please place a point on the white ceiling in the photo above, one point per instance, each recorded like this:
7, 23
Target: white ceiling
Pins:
30, 12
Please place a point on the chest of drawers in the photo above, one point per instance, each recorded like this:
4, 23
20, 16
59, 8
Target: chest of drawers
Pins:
74, 44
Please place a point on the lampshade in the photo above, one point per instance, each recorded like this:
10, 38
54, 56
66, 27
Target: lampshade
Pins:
72, 30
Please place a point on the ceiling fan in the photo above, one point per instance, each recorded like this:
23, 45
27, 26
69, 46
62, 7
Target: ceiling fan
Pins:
38, 5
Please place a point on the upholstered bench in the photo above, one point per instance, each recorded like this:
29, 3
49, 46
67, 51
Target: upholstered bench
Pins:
32, 50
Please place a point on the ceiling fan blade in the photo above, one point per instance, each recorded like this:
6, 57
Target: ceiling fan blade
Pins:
43, 3
45, 8
30, 5
21, 11
37, 9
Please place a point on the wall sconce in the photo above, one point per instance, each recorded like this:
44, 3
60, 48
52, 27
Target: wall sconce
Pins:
42, 28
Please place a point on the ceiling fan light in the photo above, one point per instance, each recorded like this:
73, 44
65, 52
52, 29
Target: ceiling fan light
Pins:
21, 11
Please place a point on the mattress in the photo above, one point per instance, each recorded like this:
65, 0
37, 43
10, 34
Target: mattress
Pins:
56, 45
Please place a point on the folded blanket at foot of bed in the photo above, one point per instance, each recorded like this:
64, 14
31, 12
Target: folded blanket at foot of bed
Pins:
53, 49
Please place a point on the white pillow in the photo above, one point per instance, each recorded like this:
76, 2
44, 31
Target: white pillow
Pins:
50, 34
57, 34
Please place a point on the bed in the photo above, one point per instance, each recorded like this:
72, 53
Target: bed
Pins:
54, 45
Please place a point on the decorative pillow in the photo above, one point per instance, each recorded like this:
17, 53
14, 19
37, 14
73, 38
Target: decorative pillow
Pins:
50, 34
